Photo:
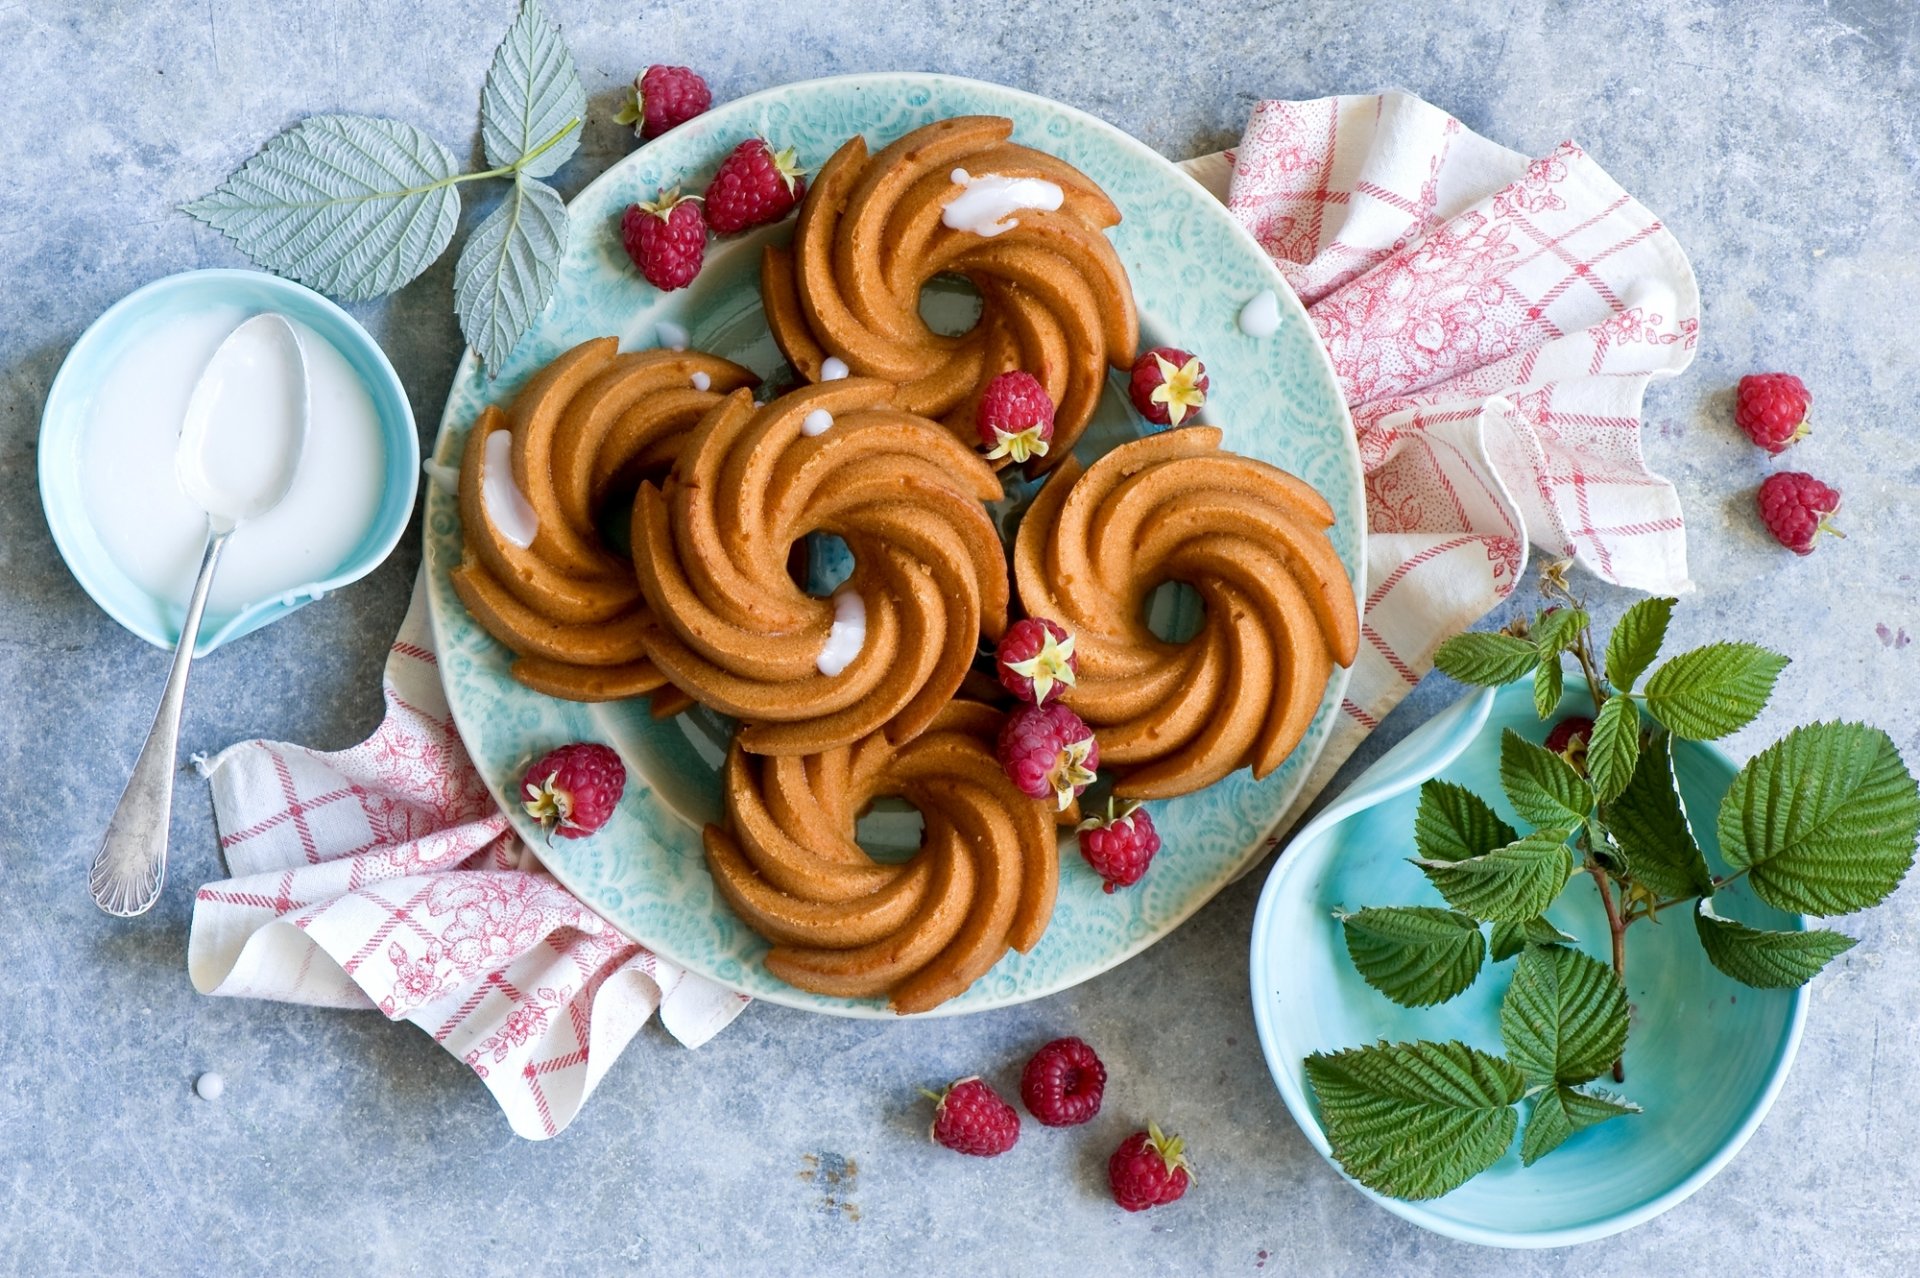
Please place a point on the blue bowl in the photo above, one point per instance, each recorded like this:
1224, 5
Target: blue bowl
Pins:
1706, 1055
63, 425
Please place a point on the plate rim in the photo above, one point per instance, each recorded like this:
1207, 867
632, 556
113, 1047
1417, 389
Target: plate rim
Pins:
1259, 849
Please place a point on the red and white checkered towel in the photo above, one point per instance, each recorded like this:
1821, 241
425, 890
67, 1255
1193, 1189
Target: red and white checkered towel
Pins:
1495, 322
384, 876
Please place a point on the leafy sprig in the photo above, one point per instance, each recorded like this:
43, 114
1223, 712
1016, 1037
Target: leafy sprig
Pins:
1824, 821
359, 206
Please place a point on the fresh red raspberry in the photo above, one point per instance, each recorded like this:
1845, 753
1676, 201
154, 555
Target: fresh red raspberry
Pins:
1772, 409
1168, 385
663, 97
666, 238
1049, 752
1063, 1083
1794, 506
1149, 1169
755, 185
970, 1118
1035, 660
1015, 418
1121, 845
573, 791
1574, 728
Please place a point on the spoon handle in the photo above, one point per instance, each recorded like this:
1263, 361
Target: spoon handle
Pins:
132, 861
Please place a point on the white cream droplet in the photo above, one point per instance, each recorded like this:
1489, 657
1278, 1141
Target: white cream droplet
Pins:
500, 496
848, 635
987, 203
702, 382
446, 478
210, 1086
833, 368
671, 335
1261, 316
818, 422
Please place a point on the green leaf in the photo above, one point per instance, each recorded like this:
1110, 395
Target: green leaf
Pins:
1562, 1111
1548, 683
1414, 1120
348, 204
1636, 641
1766, 960
1542, 786
1454, 823
1510, 938
532, 93
1557, 631
1417, 955
1714, 690
1649, 825
1824, 820
1564, 1019
1613, 747
1487, 660
506, 272
1514, 883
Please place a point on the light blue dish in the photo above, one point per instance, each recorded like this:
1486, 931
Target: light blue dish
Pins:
1193, 268
64, 420
1706, 1055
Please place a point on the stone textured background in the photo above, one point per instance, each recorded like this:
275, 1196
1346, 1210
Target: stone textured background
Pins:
1778, 139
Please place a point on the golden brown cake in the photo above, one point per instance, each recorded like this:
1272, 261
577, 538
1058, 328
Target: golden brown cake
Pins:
918, 932
535, 570
874, 230
1251, 539
730, 626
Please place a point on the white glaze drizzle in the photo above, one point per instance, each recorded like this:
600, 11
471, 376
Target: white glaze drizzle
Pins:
987, 203
500, 496
848, 635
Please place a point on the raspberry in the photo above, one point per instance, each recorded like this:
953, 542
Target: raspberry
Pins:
1015, 418
666, 238
1772, 409
1149, 1169
1794, 506
970, 1118
1048, 752
1035, 660
1063, 1083
663, 97
1569, 739
755, 185
573, 791
1168, 385
1121, 845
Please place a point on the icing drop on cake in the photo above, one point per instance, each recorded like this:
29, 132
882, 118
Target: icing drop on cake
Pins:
818, 422
987, 203
833, 368
500, 496
702, 382
848, 635
1261, 316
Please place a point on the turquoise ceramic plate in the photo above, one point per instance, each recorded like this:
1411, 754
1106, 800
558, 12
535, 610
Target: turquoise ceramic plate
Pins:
1706, 1056
1193, 268
64, 420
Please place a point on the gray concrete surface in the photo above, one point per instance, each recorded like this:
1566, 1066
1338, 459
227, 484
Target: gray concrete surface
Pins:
1778, 140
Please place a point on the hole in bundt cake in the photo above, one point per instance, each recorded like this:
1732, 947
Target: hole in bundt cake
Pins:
950, 305
819, 563
890, 830
1175, 611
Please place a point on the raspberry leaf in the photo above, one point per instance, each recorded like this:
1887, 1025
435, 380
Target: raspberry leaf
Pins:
1542, 786
1486, 660
1564, 1018
1649, 824
1561, 1111
1512, 884
1417, 955
1613, 748
1824, 820
351, 205
1766, 960
1453, 823
507, 268
1510, 938
1557, 631
532, 94
1549, 681
1636, 641
1712, 691
1414, 1120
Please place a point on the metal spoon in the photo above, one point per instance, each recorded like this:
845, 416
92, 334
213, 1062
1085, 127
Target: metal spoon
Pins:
240, 447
